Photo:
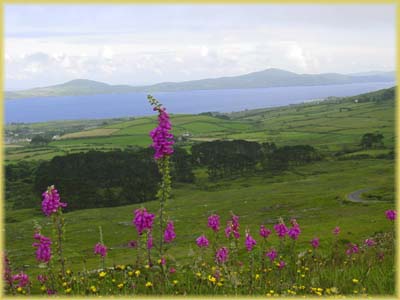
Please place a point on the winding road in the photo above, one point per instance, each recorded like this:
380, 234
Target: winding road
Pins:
355, 197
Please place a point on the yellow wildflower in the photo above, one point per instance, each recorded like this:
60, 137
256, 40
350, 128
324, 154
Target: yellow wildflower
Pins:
220, 284
137, 273
43, 288
355, 280
271, 292
198, 274
68, 290
147, 266
149, 284
93, 289
334, 290
130, 273
120, 286
175, 282
212, 279
257, 276
113, 280
19, 289
68, 272
64, 284
102, 274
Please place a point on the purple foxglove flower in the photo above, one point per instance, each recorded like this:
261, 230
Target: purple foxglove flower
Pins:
169, 233
202, 241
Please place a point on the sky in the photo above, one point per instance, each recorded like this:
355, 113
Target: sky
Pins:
144, 44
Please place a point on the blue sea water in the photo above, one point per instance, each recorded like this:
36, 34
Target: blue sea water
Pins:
31, 110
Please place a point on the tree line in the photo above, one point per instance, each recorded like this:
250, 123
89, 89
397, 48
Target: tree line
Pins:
239, 157
121, 177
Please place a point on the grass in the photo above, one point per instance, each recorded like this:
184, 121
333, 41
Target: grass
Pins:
309, 193
90, 133
322, 125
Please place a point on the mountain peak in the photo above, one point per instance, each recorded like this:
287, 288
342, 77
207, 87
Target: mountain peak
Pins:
84, 82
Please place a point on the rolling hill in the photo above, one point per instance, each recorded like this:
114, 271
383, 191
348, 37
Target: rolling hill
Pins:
262, 79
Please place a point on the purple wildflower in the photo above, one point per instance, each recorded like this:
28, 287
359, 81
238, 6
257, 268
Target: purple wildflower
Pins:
202, 241
391, 214
272, 254
222, 255
132, 244
369, 242
51, 201
42, 278
169, 233
7, 270
232, 227
213, 222
143, 220
315, 242
264, 232
336, 230
43, 251
172, 270
281, 264
150, 243
294, 231
163, 261
161, 136
281, 229
51, 292
352, 249
100, 249
22, 279
250, 242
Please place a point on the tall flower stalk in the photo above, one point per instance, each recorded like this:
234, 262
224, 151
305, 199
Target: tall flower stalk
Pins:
163, 141
52, 206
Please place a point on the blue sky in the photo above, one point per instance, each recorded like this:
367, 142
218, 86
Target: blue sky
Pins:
144, 44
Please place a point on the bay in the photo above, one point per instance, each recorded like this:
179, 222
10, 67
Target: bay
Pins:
30, 110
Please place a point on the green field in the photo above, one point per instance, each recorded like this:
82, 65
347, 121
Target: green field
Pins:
326, 126
314, 194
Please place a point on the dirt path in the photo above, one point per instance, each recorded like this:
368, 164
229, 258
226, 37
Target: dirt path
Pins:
355, 196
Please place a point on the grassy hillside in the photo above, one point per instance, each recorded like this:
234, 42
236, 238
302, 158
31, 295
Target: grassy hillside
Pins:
315, 194
328, 126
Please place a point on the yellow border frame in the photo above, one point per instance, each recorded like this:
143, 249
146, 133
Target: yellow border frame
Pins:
116, 2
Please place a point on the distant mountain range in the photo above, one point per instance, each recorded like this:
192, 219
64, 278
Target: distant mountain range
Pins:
262, 79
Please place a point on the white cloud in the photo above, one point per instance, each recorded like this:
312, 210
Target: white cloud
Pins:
143, 54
